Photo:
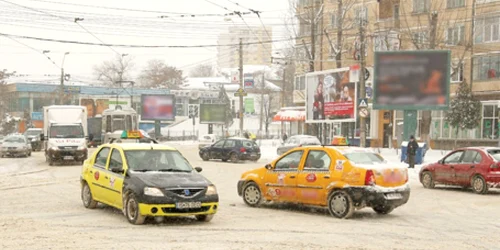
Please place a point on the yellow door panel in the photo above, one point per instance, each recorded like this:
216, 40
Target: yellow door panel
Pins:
314, 177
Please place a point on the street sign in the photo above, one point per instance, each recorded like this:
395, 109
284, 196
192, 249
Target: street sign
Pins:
367, 74
363, 112
37, 116
249, 83
363, 103
240, 92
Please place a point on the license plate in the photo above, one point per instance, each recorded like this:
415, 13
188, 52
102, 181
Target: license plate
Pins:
253, 155
187, 205
393, 196
68, 158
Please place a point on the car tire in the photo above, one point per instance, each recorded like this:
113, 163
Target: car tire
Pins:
479, 185
204, 217
234, 158
340, 204
132, 212
252, 195
205, 156
383, 209
87, 199
427, 180
51, 162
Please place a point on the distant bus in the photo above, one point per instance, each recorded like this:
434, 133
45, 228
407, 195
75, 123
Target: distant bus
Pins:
120, 118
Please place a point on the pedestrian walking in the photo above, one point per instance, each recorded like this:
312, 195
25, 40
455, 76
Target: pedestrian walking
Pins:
285, 136
411, 151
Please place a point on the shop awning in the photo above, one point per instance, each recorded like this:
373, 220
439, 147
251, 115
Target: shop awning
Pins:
290, 115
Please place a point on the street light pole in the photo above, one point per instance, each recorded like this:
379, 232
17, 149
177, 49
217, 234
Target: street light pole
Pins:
62, 80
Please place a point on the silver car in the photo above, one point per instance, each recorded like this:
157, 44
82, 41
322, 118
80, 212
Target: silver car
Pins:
297, 141
15, 145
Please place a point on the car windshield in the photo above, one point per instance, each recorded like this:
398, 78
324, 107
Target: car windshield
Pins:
66, 131
33, 132
364, 157
495, 153
14, 139
157, 160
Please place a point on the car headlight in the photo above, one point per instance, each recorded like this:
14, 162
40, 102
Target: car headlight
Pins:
54, 148
153, 191
211, 190
81, 148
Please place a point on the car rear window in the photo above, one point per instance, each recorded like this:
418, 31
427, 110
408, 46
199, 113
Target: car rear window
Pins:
495, 153
249, 144
364, 157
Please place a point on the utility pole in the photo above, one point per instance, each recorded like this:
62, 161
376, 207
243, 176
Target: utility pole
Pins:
471, 78
241, 86
283, 96
61, 87
340, 20
262, 102
362, 87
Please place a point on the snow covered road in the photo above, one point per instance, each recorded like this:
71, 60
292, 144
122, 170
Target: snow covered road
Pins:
41, 209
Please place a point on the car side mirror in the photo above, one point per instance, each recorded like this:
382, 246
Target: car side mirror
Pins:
198, 169
269, 166
440, 161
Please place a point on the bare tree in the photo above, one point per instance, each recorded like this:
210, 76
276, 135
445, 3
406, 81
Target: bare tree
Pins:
430, 27
270, 104
115, 70
157, 74
202, 70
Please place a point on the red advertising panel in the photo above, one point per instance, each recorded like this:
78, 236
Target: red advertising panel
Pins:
158, 107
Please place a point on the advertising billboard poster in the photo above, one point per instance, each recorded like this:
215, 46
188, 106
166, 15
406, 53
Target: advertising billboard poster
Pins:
249, 105
412, 80
330, 96
94, 106
158, 107
213, 113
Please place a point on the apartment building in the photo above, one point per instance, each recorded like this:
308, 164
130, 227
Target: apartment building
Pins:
408, 25
255, 53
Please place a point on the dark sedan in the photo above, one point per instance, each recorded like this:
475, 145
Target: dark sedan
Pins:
231, 149
474, 167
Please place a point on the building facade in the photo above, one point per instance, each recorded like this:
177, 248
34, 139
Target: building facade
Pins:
254, 53
408, 25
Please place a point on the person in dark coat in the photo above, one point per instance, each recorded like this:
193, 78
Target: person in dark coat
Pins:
411, 151
285, 137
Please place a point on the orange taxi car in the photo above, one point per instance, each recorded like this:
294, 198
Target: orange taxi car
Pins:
341, 179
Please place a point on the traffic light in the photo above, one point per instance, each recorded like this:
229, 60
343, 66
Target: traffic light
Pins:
193, 111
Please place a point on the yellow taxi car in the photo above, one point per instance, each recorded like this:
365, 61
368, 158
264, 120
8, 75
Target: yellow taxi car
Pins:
144, 180
341, 179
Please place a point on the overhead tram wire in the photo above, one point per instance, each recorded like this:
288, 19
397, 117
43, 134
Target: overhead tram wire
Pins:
36, 50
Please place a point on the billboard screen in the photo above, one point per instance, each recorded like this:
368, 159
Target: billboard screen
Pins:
330, 96
412, 80
212, 113
158, 107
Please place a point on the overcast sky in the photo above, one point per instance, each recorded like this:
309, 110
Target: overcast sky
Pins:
54, 19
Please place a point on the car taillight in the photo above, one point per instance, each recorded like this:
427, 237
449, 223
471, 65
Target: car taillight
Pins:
300, 145
242, 150
369, 178
495, 165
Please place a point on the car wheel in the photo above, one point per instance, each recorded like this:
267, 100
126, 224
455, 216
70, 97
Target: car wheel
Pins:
340, 204
479, 185
252, 195
87, 199
51, 162
383, 209
132, 211
427, 180
204, 217
234, 158
205, 156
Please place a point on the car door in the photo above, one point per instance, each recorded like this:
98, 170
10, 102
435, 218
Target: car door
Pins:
445, 170
228, 147
114, 178
95, 176
314, 177
467, 167
216, 149
281, 180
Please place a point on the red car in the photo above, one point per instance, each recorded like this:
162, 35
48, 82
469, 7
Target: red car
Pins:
476, 167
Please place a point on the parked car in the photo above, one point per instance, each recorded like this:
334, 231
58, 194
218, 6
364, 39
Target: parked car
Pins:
34, 135
297, 141
476, 167
15, 145
233, 149
207, 140
341, 179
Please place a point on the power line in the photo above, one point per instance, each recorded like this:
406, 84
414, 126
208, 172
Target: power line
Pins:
34, 49
102, 42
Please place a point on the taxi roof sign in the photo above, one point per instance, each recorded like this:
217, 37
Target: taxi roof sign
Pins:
131, 134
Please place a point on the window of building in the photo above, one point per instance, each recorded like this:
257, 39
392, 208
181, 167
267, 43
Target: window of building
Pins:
334, 20
396, 11
490, 121
455, 3
361, 14
487, 29
386, 41
457, 72
300, 83
486, 67
455, 35
420, 6
420, 39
